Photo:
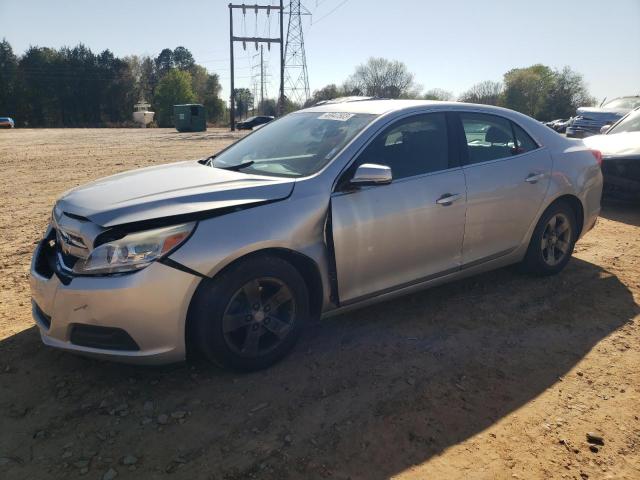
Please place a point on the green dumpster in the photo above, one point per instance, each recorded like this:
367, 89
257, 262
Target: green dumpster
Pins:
190, 118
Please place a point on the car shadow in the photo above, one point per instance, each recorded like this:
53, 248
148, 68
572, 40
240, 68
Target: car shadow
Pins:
367, 394
621, 211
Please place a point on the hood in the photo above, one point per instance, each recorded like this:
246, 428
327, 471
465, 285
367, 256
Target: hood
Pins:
603, 114
168, 190
622, 144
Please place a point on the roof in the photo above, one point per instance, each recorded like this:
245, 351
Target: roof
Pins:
375, 106
381, 106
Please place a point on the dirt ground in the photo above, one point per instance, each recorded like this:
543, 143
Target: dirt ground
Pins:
500, 376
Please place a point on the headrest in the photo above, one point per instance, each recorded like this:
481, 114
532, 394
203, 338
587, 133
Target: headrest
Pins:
496, 135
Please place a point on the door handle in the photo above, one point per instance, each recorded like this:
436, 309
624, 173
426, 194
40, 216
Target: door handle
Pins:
534, 177
448, 198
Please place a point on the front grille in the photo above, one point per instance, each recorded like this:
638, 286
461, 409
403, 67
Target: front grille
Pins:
70, 239
42, 318
70, 243
68, 261
50, 260
105, 338
46, 256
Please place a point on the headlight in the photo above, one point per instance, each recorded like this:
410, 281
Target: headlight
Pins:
134, 251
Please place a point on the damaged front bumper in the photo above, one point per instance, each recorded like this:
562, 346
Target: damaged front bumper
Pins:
136, 317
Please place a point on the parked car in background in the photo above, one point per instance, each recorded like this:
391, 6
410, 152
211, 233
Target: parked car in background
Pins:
620, 147
252, 122
326, 209
7, 122
589, 120
559, 125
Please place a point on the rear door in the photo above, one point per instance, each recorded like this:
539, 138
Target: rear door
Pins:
507, 176
388, 236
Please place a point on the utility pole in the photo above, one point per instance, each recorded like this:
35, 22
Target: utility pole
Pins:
281, 106
256, 41
262, 79
255, 96
232, 104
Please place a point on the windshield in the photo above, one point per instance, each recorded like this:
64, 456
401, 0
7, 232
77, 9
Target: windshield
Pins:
625, 102
630, 123
297, 145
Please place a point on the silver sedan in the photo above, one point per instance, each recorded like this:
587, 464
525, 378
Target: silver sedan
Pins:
323, 210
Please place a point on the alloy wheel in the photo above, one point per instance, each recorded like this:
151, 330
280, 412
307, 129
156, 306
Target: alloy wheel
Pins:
556, 239
259, 317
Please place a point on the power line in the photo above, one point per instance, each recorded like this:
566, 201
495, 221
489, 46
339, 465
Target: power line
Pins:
330, 12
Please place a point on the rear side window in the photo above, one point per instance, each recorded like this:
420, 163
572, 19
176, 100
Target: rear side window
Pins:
524, 142
412, 146
488, 137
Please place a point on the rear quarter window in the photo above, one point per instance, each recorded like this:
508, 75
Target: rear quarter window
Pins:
524, 142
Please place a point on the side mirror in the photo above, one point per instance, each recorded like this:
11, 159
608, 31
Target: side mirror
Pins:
605, 129
372, 174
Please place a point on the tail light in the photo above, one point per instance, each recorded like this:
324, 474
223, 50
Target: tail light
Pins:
598, 155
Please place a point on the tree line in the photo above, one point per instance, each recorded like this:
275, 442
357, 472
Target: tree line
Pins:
539, 91
74, 87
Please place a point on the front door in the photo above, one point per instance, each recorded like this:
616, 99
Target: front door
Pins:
507, 177
388, 236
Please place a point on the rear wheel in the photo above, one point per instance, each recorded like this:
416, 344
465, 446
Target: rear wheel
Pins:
552, 241
251, 315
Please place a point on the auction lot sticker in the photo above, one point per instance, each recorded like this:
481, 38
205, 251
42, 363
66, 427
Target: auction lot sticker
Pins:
340, 116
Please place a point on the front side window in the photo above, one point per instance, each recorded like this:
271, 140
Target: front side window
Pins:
297, 145
412, 146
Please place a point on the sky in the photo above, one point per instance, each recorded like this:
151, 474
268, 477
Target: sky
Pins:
450, 44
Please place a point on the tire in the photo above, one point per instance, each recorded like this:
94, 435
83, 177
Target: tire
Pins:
251, 315
549, 252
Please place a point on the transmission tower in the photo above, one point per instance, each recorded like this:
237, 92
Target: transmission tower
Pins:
296, 78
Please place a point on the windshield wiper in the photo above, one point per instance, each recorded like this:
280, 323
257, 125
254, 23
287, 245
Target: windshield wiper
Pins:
208, 161
237, 167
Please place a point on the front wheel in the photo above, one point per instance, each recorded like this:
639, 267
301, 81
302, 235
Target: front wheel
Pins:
251, 315
552, 242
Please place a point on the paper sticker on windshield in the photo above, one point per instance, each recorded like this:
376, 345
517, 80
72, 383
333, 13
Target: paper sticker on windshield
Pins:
340, 116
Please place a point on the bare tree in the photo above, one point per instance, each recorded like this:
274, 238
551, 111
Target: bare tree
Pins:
487, 92
380, 77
